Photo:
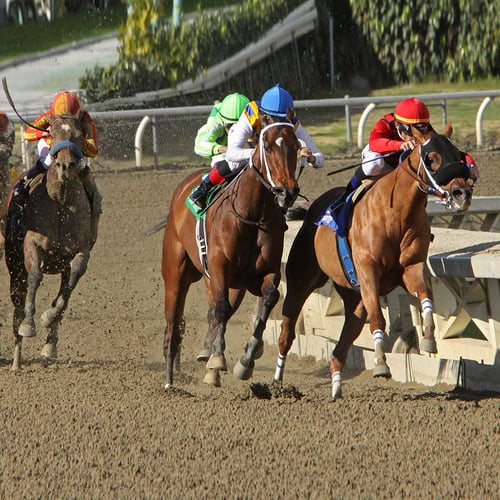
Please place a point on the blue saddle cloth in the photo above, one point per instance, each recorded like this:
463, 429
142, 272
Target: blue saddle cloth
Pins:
339, 221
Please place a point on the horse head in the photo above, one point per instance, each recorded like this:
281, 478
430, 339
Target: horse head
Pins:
444, 170
67, 140
276, 161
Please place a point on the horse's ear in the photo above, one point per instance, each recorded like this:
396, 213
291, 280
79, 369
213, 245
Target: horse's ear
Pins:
448, 130
290, 115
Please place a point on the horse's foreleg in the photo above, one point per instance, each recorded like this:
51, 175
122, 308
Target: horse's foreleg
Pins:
222, 313
34, 278
416, 280
18, 287
354, 319
254, 348
70, 277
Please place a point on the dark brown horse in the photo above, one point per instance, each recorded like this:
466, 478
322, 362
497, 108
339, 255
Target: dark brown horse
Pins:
389, 235
50, 235
245, 228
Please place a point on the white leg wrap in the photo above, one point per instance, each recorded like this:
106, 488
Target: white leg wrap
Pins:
336, 385
280, 367
378, 336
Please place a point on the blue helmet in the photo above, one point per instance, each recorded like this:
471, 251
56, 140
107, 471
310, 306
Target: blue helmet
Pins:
276, 101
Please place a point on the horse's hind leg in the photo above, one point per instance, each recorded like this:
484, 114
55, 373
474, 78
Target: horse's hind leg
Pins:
254, 348
303, 276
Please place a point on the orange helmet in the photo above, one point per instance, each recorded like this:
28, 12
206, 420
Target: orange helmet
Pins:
412, 111
67, 104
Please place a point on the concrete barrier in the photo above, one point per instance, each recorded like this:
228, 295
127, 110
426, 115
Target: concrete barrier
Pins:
465, 268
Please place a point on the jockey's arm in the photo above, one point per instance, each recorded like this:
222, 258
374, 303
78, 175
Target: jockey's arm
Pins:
207, 139
90, 148
35, 134
314, 156
237, 141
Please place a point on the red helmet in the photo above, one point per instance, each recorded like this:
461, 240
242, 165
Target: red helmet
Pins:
67, 104
412, 111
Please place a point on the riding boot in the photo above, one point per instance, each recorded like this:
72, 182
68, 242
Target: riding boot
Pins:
95, 200
353, 184
200, 194
22, 187
219, 173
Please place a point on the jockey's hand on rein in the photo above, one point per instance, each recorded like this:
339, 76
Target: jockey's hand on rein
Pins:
307, 153
405, 145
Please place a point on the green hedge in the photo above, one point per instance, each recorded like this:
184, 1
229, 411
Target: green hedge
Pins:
442, 40
382, 42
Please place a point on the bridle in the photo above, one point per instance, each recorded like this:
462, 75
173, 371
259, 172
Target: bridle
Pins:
270, 184
426, 178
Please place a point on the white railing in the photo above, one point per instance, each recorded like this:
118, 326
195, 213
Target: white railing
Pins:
349, 103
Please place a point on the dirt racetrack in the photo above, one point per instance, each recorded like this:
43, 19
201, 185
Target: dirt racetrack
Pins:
98, 424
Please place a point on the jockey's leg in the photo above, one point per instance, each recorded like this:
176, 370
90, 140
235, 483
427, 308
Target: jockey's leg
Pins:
22, 187
353, 184
219, 173
95, 199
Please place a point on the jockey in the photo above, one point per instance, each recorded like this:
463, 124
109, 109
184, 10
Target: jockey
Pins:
392, 133
67, 105
244, 135
211, 139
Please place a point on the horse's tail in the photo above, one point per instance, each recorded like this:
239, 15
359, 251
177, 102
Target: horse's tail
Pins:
157, 227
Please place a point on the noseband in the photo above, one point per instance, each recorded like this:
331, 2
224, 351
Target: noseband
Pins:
66, 144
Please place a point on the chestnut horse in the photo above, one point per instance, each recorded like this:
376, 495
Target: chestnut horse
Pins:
389, 236
50, 235
245, 228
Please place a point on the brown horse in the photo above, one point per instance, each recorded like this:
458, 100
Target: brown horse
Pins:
245, 228
389, 235
50, 235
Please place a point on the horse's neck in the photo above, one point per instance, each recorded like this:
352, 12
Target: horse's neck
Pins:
402, 193
251, 192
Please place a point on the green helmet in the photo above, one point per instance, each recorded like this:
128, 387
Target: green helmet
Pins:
231, 108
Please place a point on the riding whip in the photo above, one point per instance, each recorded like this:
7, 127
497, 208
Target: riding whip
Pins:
11, 102
343, 169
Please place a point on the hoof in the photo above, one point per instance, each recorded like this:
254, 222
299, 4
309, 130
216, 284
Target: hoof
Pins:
428, 345
336, 391
46, 319
217, 362
204, 355
49, 351
212, 377
381, 370
27, 330
243, 372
